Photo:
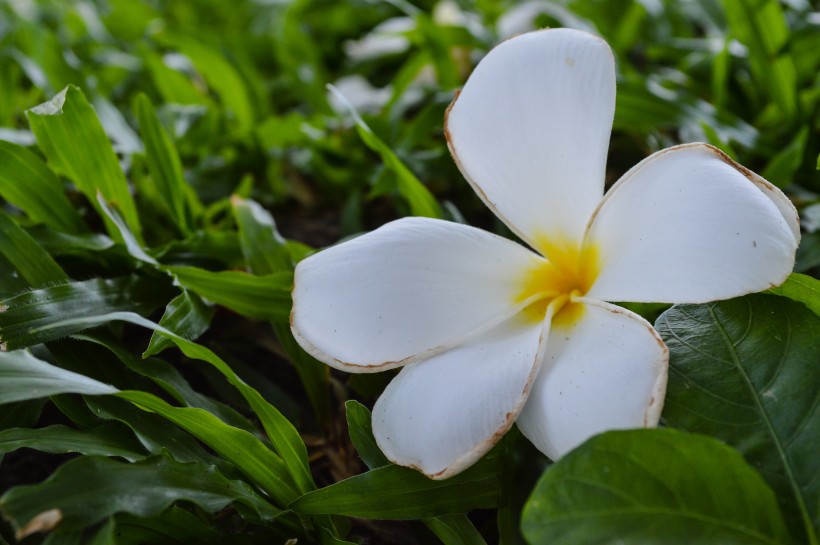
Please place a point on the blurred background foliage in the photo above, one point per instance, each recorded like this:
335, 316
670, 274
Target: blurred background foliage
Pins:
220, 120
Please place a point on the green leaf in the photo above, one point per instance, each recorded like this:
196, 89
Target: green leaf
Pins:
802, 288
266, 252
106, 440
782, 167
455, 530
220, 75
134, 247
264, 248
70, 135
418, 197
187, 315
89, 489
360, 428
263, 297
156, 433
29, 318
164, 164
741, 371
27, 183
761, 26
163, 374
657, 486
450, 529
245, 451
400, 493
174, 526
26, 413
22, 376
282, 433
33, 263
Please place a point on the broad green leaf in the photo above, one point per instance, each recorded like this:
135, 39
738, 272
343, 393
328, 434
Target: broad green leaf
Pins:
22, 377
245, 451
745, 371
72, 138
27, 183
360, 429
400, 493
106, 440
264, 297
29, 318
164, 164
187, 315
657, 486
33, 263
282, 433
802, 288
418, 197
89, 489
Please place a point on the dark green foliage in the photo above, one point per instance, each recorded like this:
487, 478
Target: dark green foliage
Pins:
165, 165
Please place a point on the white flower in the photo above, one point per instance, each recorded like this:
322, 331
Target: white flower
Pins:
489, 332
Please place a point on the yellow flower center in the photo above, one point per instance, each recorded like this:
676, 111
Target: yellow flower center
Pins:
569, 270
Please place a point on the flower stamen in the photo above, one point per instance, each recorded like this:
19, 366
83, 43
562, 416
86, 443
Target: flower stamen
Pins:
566, 272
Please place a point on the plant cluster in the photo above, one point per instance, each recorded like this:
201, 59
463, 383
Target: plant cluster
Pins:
164, 167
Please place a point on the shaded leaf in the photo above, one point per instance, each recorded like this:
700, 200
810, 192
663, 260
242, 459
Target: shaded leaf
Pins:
455, 530
27, 183
282, 433
90, 489
266, 252
106, 440
400, 493
246, 452
33, 263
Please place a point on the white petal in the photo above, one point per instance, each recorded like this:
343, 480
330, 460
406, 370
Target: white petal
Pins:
530, 130
412, 288
442, 414
606, 370
686, 225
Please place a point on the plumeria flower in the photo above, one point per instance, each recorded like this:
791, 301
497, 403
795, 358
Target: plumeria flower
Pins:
489, 332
